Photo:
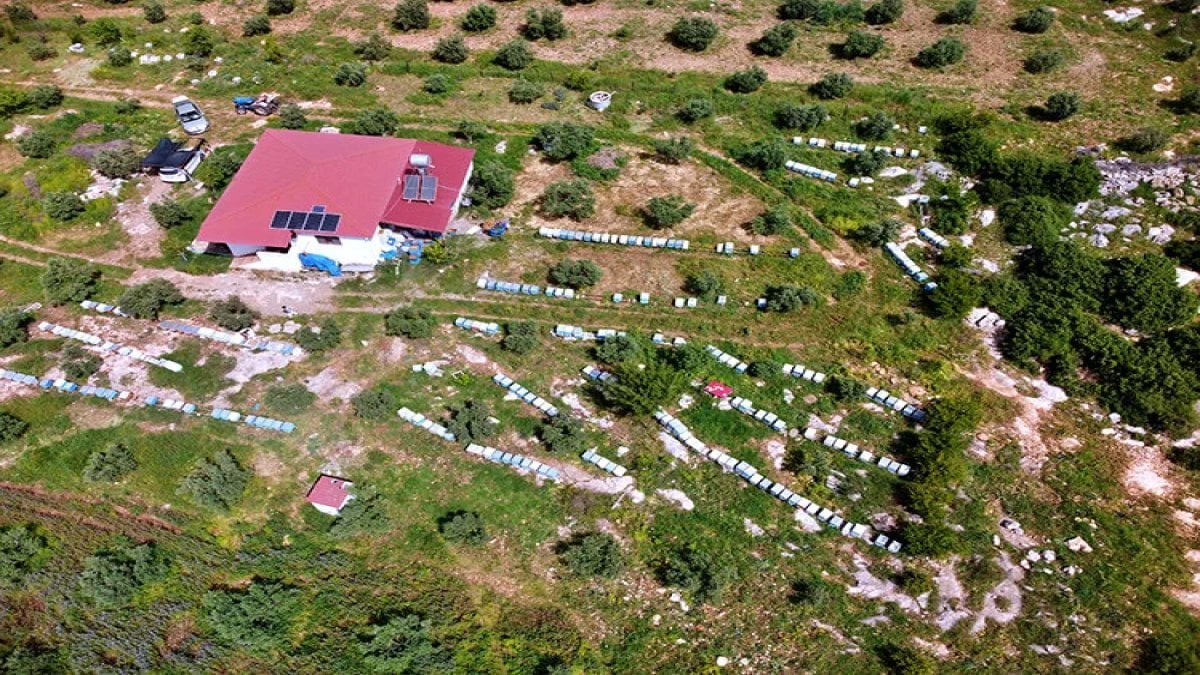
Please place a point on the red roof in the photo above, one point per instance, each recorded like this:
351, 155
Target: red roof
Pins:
329, 491
718, 389
358, 177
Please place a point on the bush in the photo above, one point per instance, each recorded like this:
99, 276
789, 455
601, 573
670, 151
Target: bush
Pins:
410, 322
524, 92
199, 42
1181, 52
694, 571
119, 57
788, 298
832, 86
663, 212
69, 280
849, 284
146, 300
746, 81
822, 12
569, 198
775, 41
618, 349
374, 48
544, 24
112, 576
233, 314
905, 660
376, 122
1140, 293
471, 422
36, 144
44, 97
291, 116
1144, 140
450, 49
117, 162
561, 141
955, 256
405, 644
437, 83
62, 206
885, 12
704, 284
764, 369
19, 13
12, 326
640, 391
105, 32
962, 12
171, 214
1189, 101
350, 75
492, 185
277, 7
41, 51
865, 163
575, 273
562, 434
845, 388
592, 554
11, 427
695, 110
944, 52
411, 15
217, 482
23, 549
1061, 105
223, 164
478, 18
800, 117
514, 55
320, 338
364, 513
258, 617
463, 527
520, 337
79, 364
1035, 21
860, 45
374, 404
1043, 61
957, 293
765, 155
1033, 220
693, 33
876, 127
256, 25
673, 150
775, 220
289, 399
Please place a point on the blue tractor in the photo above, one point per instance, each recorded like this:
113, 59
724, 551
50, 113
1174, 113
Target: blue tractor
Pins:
261, 105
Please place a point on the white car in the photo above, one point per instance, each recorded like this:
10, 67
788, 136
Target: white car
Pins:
190, 117
184, 172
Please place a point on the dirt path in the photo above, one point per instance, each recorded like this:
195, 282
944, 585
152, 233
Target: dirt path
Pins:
267, 296
145, 235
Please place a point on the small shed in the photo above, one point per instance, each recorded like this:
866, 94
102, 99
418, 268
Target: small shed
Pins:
718, 389
330, 494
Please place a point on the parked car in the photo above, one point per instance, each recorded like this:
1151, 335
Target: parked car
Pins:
190, 117
184, 163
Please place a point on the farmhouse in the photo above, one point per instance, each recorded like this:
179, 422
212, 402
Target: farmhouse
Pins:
329, 494
339, 201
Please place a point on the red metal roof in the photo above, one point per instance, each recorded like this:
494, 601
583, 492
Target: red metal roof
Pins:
718, 389
329, 491
358, 177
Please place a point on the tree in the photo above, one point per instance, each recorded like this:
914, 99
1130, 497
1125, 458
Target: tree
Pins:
492, 184
278, 7
1140, 293
618, 349
523, 91
1033, 220
885, 12
105, 32
787, 298
1043, 61
932, 538
411, 15
350, 75
693, 33
36, 144
146, 300
832, 86
775, 41
860, 45
289, 399
374, 404
117, 162
463, 527
944, 52
514, 55
471, 422
44, 97
575, 274
1144, 140
865, 163
955, 256
694, 110
19, 13
450, 49
63, 206
256, 25
695, 571
775, 220
641, 390
961, 12
79, 364
520, 337
800, 117
875, 127
673, 150
969, 151
569, 198
1171, 650
957, 293
746, 81
69, 280
11, 427
470, 130
170, 214
906, 660
592, 554
545, 23
478, 18
767, 155
113, 575
663, 212
199, 42
119, 57
23, 549
374, 48
376, 122
561, 141
12, 326
258, 617
1035, 21
405, 644
233, 314
845, 388
1060, 105
704, 284
223, 164
410, 322
216, 482
320, 338
562, 434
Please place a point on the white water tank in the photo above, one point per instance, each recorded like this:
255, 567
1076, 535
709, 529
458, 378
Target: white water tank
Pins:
600, 100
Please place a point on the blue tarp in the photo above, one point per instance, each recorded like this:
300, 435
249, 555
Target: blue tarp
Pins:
322, 263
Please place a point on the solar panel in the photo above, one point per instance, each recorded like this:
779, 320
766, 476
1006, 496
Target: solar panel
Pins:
429, 188
296, 222
314, 220
412, 185
280, 221
331, 222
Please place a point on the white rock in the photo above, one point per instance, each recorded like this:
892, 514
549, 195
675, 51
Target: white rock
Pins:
1049, 556
1078, 545
722, 661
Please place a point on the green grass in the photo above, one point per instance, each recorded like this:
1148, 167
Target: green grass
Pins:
203, 374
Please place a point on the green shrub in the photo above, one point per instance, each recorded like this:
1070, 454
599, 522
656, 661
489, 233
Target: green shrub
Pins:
216, 482
884, 12
961, 12
11, 427
44, 97
545, 24
450, 49
1033, 220
117, 162
112, 576
463, 527
23, 549
62, 206
146, 300
523, 91
832, 86
36, 144
119, 57
69, 280
775, 41
278, 7
849, 284
1140, 292
663, 212
289, 399
199, 42
955, 256
350, 75
1035, 21
775, 220
561, 141
13, 324
905, 660
478, 18
256, 25
767, 155
514, 55
617, 350
410, 322
320, 338
641, 390
19, 13
374, 404
471, 422
875, 127
592, 554
1189, 101
957, 293
411, 15
865, 163
437, 83
492, 185
223, 164
944, 52
405, 644
821, 12
693, 33
860, 45
695, 571
365, 513
105, 32
1061, 104
153, 12
1144, 140
569, 198
374, 48
520, 337
40, 51
787, 298
695, 110
704, 284
1043, 61
291, 116
257, 618
576, 274
376, 122
79, 364
800, 117
232, 314
170, 214
746, 81
673, 150
562, 434
1181, 52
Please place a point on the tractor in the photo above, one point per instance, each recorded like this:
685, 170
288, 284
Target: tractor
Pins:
497, 230
261, 105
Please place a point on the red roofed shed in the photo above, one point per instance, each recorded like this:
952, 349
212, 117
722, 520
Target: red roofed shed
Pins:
329, 494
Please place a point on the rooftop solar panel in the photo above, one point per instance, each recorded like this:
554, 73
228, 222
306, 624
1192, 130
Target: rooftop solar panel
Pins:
429, 188
296, 222
412, 186
280, 221
331, 222
314, 220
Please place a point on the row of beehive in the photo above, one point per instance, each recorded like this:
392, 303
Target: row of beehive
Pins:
810, 171
591, 456
933, 237
642, 298
525, 395
235, 339
105, 345
568, 332
523, 289
727, 359
608, 238
252, 420
102, 307
596, 375
852, 451
746, 407
419, 420
660, 339
727, 248
72, 388
850, 146
514, 460
803, 373
485, 327
910, 268
896, 403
